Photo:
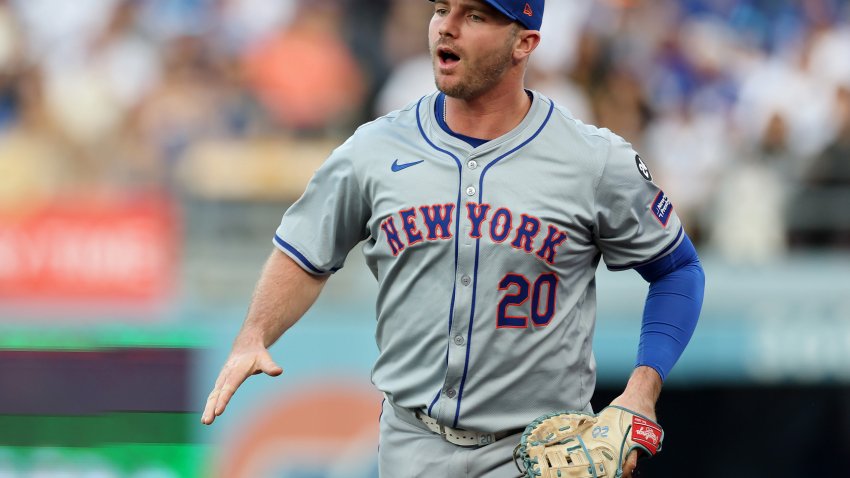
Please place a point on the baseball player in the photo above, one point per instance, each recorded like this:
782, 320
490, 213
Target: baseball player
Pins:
485, 209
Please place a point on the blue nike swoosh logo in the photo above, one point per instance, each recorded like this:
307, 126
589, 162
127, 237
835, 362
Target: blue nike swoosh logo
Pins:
398, 167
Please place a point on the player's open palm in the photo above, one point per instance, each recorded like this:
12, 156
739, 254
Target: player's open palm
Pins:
239, 366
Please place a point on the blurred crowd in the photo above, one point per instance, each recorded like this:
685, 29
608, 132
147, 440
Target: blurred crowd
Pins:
740, 107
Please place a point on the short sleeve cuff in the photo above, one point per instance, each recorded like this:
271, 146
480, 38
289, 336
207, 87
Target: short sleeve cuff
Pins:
299, 258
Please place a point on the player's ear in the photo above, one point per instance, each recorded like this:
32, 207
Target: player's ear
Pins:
527, 41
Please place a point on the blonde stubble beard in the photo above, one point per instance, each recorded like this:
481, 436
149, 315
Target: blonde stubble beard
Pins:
481, 76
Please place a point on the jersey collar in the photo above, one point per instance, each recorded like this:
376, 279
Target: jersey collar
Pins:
439, 133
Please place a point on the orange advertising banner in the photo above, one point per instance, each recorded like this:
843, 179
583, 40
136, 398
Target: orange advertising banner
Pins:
110, 252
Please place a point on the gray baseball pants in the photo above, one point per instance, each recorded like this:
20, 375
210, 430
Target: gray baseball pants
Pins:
410, 450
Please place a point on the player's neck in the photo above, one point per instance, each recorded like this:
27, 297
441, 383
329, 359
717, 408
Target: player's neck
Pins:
488, 116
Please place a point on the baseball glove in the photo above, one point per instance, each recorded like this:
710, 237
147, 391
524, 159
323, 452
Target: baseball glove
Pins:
581, 445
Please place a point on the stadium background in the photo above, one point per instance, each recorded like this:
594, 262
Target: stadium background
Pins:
148, 149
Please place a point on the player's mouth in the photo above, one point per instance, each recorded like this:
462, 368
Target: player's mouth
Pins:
447, 57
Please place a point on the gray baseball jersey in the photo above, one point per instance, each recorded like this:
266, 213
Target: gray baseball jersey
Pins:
485, 257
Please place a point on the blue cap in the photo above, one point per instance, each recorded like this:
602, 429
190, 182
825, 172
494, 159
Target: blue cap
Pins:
528, 13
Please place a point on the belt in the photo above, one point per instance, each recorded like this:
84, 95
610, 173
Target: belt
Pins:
459, 436
456, 436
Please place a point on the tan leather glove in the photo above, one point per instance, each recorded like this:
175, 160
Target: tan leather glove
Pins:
580, 445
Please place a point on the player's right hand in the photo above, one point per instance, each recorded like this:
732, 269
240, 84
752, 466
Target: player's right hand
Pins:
239, 366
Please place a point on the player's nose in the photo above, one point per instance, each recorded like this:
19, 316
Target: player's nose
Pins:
449, 24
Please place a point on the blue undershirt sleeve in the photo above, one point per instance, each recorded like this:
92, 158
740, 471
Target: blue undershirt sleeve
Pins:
676, 287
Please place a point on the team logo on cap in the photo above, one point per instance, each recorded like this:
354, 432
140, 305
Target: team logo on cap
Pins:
528, 10
644, 171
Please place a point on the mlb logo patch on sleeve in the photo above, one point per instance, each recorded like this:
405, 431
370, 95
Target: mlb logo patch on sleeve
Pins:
662, 208
644, 171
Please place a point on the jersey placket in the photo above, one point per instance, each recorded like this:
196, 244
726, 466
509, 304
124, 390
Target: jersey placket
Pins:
459, 339
474, 167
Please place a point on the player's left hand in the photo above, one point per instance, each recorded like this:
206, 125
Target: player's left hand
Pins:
630, 465
635, 404
584, 445
640, 396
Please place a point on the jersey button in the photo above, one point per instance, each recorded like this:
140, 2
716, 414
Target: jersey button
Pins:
451, 393
470, 191
472, 164
458, 340
465, 280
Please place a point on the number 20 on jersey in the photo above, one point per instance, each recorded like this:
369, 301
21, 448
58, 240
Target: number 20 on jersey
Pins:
513, 313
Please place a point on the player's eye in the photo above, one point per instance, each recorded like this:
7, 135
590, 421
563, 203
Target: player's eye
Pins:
476, 18
440, 11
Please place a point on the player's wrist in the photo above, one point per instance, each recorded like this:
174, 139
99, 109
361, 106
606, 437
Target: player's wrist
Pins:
641, 393
637, 405
249, 339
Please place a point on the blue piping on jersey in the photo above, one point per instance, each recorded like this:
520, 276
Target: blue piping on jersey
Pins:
439, 112
456, 235
477, 249
661, 254
301, 257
